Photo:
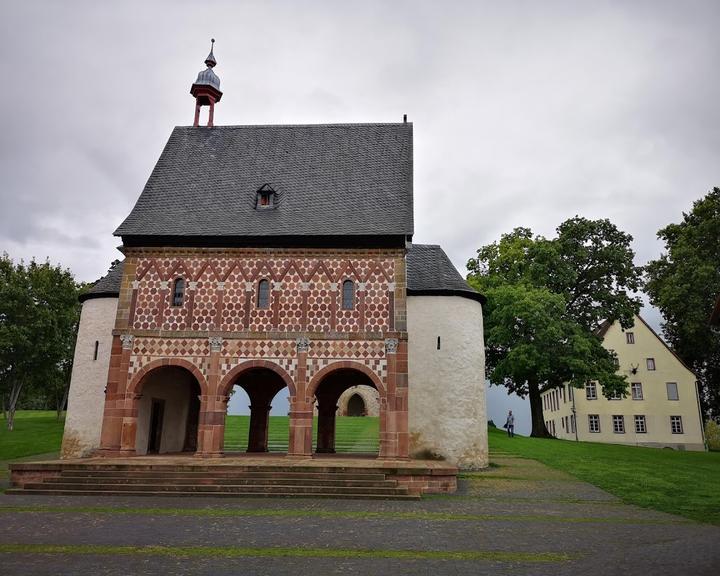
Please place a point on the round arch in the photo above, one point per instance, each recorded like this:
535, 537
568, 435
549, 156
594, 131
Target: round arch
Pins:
344, 365
137, 380
228, 381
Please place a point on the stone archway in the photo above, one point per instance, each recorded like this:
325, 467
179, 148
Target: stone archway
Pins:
262, 381
167, 404
327, 387
359, 401
356, 406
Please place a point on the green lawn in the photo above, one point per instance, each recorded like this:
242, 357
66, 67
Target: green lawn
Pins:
351, 434
684, 483
36, 432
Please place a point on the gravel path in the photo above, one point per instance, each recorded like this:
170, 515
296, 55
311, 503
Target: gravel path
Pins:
519, 517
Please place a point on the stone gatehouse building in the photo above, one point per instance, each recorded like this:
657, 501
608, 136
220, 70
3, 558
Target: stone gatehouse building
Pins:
278, 258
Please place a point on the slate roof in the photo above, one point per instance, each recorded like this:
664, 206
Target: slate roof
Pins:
429, 272
331, 180
108, 286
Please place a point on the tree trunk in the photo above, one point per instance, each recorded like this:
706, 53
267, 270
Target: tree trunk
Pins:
536, 412
63, 401
14, 395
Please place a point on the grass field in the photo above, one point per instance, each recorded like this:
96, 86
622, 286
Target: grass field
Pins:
351, 434
684, 483
36, 432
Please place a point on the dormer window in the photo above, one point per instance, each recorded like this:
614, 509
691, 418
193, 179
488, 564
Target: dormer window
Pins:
266, 197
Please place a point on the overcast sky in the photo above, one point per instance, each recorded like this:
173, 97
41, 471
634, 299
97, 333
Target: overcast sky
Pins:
526, 113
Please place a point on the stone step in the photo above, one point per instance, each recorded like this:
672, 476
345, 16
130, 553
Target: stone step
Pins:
220, 474
208, 480
232, 468
209, 488
87, 492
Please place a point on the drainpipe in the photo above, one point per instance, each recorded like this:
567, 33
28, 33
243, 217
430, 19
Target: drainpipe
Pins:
702, 422
575, 422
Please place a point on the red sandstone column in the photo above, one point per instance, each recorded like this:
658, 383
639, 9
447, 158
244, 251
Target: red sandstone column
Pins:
112, 417
394, 437
128, 406
326, 427
259, 423
301, 407
213, 407
401, 400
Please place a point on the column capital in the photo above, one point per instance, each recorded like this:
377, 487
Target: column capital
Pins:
127, 341
391, 345
302, 343
216, 343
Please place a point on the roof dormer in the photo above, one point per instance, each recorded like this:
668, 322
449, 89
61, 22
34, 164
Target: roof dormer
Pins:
266, 198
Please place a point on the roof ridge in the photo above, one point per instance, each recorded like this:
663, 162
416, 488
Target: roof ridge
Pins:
307, 125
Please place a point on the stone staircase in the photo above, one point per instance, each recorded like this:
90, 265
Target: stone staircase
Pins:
220, 480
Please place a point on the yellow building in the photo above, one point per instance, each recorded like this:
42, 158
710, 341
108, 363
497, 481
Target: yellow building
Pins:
662, 408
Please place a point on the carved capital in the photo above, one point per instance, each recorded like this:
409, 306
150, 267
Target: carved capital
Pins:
127, 341
391, 345
163, 285
391, 287
248, 286
221, 285
216, 343
135, 284
277, 286
303, 344
192, 285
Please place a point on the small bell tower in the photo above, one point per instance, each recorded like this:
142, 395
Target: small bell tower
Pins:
206, 88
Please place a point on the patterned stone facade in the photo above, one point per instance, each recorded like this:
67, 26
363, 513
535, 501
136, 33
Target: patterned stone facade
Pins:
220, 331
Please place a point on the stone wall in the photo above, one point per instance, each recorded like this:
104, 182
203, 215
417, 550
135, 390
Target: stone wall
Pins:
447, 414
89, 377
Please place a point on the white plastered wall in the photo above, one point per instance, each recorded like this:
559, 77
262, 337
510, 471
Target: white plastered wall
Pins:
86, 399
447, 413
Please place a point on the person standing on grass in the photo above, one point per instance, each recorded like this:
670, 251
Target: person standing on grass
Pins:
510, 424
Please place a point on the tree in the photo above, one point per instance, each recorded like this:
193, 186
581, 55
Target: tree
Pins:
684, 284
39, 313
545, 301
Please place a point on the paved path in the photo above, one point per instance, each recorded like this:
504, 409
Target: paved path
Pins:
519, 517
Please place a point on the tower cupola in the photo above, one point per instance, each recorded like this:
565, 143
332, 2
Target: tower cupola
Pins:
206, 88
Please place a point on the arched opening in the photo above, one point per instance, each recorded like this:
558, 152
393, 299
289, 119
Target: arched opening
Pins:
168, 411
340, 434
356, 406
249, 425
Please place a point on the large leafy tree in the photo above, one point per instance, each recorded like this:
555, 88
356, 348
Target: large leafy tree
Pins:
546, 299
684, 284
39, 313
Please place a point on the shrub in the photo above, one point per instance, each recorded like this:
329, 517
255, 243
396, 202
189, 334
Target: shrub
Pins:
712, 435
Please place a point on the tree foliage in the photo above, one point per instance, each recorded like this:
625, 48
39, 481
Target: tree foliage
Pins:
684, 284
39, 313
546, 299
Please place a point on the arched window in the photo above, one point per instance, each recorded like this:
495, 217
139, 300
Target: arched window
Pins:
178, 292
263, 295
348, 296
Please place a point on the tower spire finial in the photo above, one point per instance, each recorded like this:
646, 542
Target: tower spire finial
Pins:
206, 88
210, 60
